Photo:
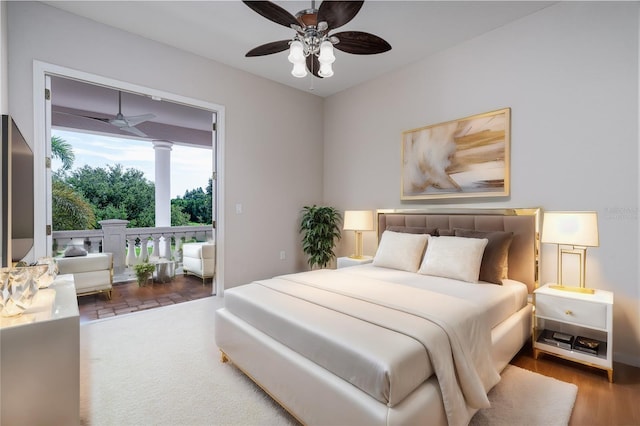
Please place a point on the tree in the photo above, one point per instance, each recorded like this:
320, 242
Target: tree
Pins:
91, 194
62, 150
197, 204
178, 216
116, 193
69, 209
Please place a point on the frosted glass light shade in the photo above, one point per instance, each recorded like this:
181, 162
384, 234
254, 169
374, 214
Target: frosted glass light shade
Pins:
296, 52
571, 228
325, 70
358, 220
299, 70
326, 53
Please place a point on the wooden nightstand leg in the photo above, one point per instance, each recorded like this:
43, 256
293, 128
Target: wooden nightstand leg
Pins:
610, 375
535, 353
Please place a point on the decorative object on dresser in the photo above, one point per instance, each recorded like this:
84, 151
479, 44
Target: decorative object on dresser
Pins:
575, 326
468, 157
358, 221
576, 229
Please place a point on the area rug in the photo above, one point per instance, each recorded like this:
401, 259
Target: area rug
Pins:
162, 367
525, 398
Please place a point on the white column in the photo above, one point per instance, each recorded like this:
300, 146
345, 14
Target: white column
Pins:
163, 191
163, 182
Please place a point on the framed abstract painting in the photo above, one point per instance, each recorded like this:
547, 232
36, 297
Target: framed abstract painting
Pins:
468, 157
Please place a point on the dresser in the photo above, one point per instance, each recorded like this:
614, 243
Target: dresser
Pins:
574, 326
40, 360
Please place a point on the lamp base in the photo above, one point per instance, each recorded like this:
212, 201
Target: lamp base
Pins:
583, 290
353, 256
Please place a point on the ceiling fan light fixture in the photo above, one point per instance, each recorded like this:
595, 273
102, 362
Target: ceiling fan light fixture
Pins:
326, 53
313, 43
299, 70
296, 52
325, 70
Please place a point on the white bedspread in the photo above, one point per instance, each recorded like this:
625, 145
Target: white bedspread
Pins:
498, 302
383, 337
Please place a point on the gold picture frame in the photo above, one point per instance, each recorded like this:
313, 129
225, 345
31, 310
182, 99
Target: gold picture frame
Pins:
468, 157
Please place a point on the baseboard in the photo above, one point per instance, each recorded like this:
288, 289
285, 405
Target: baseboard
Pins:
627, 359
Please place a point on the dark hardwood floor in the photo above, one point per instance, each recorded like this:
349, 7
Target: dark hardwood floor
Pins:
129, 297
599, 402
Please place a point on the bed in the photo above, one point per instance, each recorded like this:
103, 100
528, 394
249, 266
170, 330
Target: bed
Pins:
419, 336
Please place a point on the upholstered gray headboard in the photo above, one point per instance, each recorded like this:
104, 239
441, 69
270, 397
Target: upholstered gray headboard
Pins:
524, 223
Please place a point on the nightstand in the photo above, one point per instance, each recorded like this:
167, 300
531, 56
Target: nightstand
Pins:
564, 319
343, 262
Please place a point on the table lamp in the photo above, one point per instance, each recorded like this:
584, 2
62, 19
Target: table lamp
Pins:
576, 229
358, 221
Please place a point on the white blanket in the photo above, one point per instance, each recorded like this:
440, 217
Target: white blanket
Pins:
453, 332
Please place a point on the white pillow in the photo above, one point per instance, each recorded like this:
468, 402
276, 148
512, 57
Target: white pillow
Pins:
454, 257
402, 251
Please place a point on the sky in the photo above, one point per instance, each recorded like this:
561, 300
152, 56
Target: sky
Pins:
191, 167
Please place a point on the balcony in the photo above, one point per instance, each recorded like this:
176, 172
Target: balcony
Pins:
131, 246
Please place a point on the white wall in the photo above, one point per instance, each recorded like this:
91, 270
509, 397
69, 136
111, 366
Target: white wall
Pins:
269, 168
4, 80
570, 75
4, 65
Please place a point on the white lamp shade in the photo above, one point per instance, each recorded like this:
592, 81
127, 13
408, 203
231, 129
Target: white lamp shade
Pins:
326, 53
325, 70
299, 70
571, 228
358, 220
296, 52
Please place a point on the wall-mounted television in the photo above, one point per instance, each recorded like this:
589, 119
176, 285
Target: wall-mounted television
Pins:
17, 193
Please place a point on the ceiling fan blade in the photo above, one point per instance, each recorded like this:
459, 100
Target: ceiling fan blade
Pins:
273, 12
338, 13
313, 65
137, 119
104, 120
134, 131
360, 43
269, 48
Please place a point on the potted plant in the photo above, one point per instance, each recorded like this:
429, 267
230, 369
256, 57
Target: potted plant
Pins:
320, 229
143, 272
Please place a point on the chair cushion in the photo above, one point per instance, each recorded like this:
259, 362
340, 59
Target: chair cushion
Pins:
87, 282
198, 250
90, 262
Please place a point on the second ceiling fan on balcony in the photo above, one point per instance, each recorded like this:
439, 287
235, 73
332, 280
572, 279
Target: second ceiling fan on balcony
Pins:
125, 123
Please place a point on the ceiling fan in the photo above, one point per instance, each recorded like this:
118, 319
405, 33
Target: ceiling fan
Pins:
124, 123
312, 45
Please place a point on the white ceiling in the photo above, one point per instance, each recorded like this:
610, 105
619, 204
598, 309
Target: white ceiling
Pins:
225, 30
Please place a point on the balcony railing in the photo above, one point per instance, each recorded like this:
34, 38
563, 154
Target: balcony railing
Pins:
131, 246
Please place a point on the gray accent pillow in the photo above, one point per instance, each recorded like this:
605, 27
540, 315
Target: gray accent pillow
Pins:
412, 229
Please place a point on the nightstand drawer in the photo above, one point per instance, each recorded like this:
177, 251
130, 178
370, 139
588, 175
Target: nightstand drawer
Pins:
570, 310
